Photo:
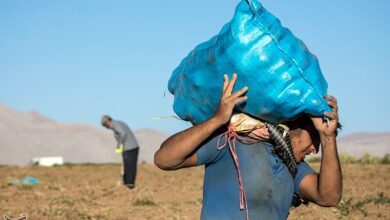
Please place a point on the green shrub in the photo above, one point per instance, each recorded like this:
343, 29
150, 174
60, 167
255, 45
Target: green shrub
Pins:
347, 159
367, 159
385, 159
144, 202
347, 205
315, 159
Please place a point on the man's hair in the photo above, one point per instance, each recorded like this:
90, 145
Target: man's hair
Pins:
300, 122
304, 122
105, 118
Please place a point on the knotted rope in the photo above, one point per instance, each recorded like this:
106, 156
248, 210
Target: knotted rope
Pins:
282, 148
230, 137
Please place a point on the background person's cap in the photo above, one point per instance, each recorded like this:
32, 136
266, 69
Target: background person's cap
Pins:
105, 118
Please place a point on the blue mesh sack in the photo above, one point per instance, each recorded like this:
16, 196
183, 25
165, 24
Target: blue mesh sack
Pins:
283, 77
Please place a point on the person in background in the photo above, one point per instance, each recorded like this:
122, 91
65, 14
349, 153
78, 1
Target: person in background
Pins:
127, 145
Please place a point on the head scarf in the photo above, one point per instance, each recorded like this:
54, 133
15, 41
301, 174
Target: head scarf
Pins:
250, 130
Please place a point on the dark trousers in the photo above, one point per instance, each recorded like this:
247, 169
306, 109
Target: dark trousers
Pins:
130, 158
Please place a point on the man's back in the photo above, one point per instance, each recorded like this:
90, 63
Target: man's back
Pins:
124, 135
267, 182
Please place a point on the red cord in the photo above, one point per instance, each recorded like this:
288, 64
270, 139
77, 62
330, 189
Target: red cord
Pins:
230, 139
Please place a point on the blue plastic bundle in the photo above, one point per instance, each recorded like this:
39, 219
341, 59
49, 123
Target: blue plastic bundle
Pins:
283, 77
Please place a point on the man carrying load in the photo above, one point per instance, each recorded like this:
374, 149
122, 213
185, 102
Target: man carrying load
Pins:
247, 179
253, 171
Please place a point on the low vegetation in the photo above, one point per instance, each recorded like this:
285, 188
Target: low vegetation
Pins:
364, 160
93, 191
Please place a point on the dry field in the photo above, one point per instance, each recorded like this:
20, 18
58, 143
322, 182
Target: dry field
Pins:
91, 192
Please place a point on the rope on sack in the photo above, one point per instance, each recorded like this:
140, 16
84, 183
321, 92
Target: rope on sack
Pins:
230, 137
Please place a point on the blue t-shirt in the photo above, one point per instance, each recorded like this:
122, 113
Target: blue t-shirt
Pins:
267, 182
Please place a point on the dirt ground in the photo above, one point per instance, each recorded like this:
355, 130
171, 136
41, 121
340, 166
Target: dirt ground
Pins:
92, 192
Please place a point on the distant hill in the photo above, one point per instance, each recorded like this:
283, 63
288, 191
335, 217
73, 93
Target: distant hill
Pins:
357, 144
24, 135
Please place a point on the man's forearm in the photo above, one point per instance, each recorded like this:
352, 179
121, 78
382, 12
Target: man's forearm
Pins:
176, 149
330, 178
179, 150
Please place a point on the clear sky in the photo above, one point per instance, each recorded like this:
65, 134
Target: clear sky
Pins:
76, 60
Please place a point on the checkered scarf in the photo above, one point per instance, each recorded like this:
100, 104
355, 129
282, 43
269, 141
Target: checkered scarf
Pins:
283, 147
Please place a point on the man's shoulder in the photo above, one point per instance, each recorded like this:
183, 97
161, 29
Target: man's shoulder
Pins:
119, 123
115, 125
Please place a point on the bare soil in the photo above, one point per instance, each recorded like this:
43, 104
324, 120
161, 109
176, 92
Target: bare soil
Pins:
94, 192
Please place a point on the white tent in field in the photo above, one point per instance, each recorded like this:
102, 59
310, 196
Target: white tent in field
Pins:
46, 161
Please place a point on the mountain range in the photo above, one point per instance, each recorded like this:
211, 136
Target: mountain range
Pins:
24, 135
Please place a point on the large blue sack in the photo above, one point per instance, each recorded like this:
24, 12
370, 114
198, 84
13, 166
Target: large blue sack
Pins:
283, 77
